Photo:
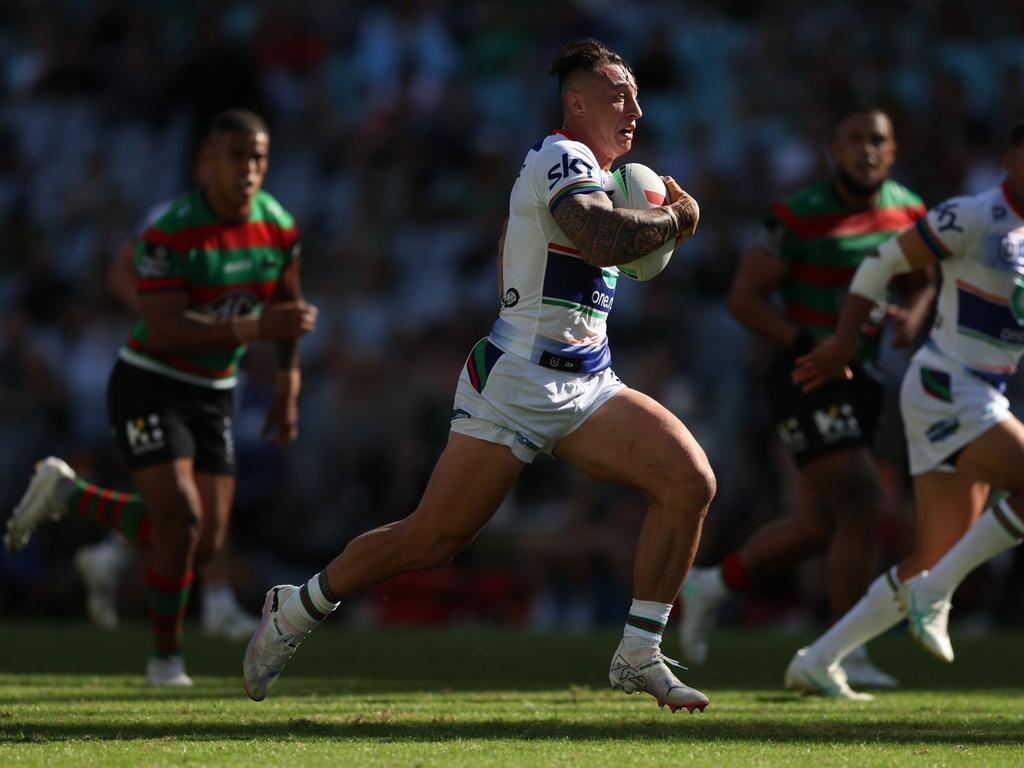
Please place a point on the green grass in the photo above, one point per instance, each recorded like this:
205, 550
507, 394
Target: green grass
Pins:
70, 695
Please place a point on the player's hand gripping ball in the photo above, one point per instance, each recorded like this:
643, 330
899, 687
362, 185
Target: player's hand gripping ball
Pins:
634, 185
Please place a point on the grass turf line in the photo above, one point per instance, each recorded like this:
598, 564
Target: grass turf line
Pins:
445, 697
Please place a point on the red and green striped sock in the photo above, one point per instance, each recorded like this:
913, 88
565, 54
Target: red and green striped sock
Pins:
647, 619
123, 512
167, 598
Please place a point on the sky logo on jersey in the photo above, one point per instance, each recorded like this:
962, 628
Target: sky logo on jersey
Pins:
569, 167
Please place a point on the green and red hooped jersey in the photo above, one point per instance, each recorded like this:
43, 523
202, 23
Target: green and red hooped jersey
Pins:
229, 269
823, 242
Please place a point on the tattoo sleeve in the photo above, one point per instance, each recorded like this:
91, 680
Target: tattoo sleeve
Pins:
607, 236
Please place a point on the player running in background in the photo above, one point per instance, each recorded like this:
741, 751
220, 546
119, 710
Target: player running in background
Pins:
542, 381
962, 438
102, 565
217, 271
807, 251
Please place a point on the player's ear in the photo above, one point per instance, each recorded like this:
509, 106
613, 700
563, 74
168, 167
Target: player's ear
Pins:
207, 151
574, 102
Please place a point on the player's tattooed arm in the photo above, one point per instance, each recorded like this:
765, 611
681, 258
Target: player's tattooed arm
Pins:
607, 236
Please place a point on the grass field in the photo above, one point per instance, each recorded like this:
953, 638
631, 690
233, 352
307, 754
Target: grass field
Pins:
70, 695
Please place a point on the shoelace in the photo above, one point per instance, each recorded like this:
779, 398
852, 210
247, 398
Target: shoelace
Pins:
283, 649
662, 657
939, 610
935, 611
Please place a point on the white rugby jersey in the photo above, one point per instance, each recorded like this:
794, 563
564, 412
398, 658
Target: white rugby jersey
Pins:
979, 242
554, 305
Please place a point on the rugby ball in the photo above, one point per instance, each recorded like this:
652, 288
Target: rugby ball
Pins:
634, 185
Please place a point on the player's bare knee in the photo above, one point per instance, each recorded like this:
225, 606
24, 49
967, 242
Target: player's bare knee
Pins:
702, 485
691, 491
176, 524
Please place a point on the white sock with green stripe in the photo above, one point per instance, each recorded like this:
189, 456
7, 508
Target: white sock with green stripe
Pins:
647, 619
873, 614
998, 529
310, 605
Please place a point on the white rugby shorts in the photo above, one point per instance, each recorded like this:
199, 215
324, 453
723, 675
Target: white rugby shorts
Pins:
504, 399
944, 408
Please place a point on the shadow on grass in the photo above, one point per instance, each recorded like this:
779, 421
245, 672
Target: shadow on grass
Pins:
895, 731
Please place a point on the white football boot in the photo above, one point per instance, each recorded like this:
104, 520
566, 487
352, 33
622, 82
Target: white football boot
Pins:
40, 502
927, 616
100, 566
806, 676
270, 648
702, 596
223, 617
860, 670
167, 673
638, 666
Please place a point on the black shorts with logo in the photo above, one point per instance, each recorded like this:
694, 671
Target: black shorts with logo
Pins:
156, 419
838, 416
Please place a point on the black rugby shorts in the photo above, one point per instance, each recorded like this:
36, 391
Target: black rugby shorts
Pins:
839, 416
156, 419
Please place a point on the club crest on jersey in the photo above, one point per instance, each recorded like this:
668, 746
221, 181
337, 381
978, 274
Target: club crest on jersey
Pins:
511, 298
231, 305
1011, 252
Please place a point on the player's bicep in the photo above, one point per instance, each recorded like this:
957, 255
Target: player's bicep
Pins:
578, 216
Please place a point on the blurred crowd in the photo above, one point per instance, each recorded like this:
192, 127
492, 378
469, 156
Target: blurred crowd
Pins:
397, 131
